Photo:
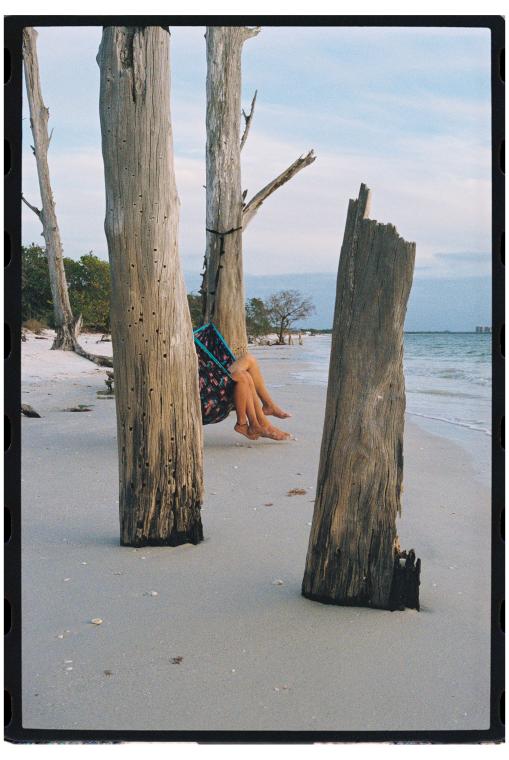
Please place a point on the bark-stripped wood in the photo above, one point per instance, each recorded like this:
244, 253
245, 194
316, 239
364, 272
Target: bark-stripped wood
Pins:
156, 370
67, 328
252, 206
65, 338
353, 541
223, 280
248, 117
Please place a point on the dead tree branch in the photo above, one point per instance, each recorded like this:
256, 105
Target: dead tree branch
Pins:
101, 361
256, 201
247, 118
37, 211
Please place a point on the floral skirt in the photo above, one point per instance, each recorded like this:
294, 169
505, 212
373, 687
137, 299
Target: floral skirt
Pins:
215, 382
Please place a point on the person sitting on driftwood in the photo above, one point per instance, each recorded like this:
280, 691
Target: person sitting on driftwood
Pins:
253, 402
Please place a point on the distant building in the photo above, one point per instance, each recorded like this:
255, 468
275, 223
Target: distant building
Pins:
483, 329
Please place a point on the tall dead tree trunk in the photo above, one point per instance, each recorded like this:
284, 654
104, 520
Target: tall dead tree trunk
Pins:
223, 282
353, 555
156, 371
65, 324
227, 214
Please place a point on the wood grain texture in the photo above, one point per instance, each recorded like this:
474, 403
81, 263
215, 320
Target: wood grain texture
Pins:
65, 338
353, 538
227, 214
156, 372
223, 279
248, 118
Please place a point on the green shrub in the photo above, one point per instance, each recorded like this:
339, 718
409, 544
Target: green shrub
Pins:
195, 308
89, 286
36, 301
257, 318
88, 282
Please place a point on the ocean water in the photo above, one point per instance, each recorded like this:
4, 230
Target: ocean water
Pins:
448, 385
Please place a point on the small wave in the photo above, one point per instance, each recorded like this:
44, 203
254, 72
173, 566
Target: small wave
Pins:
440, 392
467, 425
461, 374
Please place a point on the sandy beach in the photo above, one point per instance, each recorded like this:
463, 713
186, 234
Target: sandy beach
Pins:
217, 636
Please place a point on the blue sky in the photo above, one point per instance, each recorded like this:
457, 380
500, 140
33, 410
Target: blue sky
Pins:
405, 110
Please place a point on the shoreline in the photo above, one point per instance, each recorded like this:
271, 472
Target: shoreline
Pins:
255, 654
476, 442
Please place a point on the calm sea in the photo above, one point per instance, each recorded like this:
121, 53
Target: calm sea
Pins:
447, 375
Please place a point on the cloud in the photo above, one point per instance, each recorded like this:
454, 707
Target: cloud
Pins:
432, 180
78, 188
462, 264
430, 198
300, 227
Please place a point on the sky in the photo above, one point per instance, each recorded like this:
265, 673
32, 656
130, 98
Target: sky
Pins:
405, 110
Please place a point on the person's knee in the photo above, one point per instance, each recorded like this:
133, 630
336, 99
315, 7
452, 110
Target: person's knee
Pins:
241, 376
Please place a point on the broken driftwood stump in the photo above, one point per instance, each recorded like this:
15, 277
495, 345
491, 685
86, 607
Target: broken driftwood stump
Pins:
353, 555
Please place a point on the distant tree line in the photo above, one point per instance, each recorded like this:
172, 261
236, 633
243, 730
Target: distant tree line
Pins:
277, 314
90, 293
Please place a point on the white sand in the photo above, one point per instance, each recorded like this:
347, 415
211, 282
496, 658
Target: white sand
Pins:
256, 655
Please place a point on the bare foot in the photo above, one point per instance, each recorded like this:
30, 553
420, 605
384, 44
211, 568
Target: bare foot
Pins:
275, 411
244, 429
275, 433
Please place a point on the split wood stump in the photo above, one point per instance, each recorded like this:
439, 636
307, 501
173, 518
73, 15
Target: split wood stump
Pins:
353, 555
159, 427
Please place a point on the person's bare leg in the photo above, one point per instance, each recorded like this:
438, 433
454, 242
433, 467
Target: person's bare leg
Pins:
248, 363
266, 430
247, 419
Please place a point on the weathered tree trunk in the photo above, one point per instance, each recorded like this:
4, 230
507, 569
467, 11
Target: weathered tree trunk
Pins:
66, 326
156, 370
223, 282
353, 543
64, 321
227, 214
